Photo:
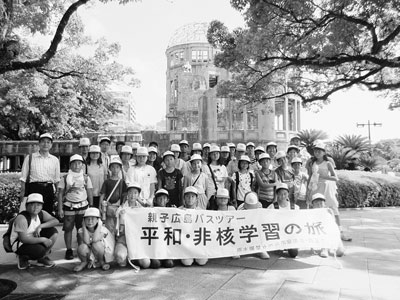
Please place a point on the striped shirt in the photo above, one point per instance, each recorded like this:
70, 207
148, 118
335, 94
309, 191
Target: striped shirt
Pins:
43, 168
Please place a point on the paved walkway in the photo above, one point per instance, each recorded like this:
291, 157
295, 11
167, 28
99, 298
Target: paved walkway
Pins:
371, 271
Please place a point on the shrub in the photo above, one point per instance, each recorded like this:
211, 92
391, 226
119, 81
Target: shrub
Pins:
9, 196
361, 189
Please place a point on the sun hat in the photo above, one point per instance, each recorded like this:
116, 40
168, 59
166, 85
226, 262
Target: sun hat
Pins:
76, 157
191, 189
206, 145
280, 154
259, 148
241, 147
47, 136
231, 145
104, 138
84, 142
245, 158
134, 185
222, 193
166, 153
250, 144
290, 147
264, 156
142, 151
135, 145
281, 186
251, 201
161, 192
94, 149
225, 149
195, 157
197, 147
153, 149
34, 198
115, 160
127, 149
296, 160
184, 142
319, 145
318, 196
215, 148
175, 148
92, 212
270, 144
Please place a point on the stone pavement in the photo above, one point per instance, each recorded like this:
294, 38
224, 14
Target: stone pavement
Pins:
371, 271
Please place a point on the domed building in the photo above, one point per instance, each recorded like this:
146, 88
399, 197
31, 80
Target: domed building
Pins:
194, 110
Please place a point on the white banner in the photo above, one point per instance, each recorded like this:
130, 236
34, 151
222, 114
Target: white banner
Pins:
171, 233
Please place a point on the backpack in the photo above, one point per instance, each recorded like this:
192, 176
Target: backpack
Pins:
7, 236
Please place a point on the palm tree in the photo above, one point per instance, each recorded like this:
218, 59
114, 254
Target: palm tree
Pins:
341, 155
356, 142
309, 136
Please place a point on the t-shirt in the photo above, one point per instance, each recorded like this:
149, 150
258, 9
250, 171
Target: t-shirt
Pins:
220, 174
108, 186
300, 189
97, 174
287, 207
76, 185
244, 184
266, 193
145, 176
172, 182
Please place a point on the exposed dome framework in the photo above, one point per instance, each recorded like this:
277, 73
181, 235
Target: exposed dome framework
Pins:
189, 33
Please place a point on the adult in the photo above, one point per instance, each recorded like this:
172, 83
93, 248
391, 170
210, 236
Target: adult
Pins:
184, 145
41, 173
34, 233
104, 144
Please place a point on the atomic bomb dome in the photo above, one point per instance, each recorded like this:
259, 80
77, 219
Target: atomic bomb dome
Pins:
189, 33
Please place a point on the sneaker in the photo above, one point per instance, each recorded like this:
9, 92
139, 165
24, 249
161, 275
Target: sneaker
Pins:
46, 262
23, 262
345, 237
324, 253
263, 255
69, 254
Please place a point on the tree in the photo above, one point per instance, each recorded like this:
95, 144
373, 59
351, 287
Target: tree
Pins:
317, 47
355, 142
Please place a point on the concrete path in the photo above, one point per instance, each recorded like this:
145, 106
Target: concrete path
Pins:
371, 271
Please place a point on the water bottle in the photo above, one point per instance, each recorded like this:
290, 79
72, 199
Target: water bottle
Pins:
103, 210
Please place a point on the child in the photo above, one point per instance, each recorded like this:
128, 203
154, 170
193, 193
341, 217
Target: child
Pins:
97, 172
300, 183
199, 180
170, 179
251, 202
161, 199
265, 180
121, 250
74, 197
284, 173
190, 201
112, 194
96, 246
222, 199
318, 201
243, 178
282, 202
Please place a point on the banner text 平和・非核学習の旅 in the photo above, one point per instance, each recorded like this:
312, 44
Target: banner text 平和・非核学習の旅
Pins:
171, 233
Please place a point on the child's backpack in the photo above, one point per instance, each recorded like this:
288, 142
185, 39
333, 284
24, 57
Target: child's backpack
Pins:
7, 236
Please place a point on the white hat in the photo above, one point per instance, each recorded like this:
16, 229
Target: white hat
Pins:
84, 142
231, 145
34, 198
197, 147
94, 148
206, 145
319, 145
104, 138
264, 156
184, 142
115, 160
259, 148
293, 147
281, 186
47, 136
251, 201
175, 148
153, 149
225, 149
142, 151
250, 144
280, 154
222, 193
296, 160
126, 149
76, 157
318, 196
245, 158
191, 189
135, 145
195, 157
215, 148
134, 185
241, 147
92, 212
166, 153
271, 144
161, 192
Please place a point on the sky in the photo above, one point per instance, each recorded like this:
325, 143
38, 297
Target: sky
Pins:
144, 28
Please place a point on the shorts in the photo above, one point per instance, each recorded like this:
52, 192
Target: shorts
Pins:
73, 216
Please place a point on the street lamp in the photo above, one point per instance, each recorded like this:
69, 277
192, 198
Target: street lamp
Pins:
369, 130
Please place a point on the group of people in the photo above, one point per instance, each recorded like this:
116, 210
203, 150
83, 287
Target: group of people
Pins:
99, 188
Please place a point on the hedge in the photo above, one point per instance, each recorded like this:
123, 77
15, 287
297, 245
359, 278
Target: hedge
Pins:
355, 189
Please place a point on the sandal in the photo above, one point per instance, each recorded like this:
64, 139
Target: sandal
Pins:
80, 267
105, 267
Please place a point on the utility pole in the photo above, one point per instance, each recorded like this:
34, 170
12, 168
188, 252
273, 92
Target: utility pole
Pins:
369, 124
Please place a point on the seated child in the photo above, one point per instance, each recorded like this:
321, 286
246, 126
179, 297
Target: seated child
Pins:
96, 243
222, 199
318, 201
282, 202
161, 199
251, 202
190, 201
121, 250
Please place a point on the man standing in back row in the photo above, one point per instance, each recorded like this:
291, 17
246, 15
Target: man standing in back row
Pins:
43, 170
